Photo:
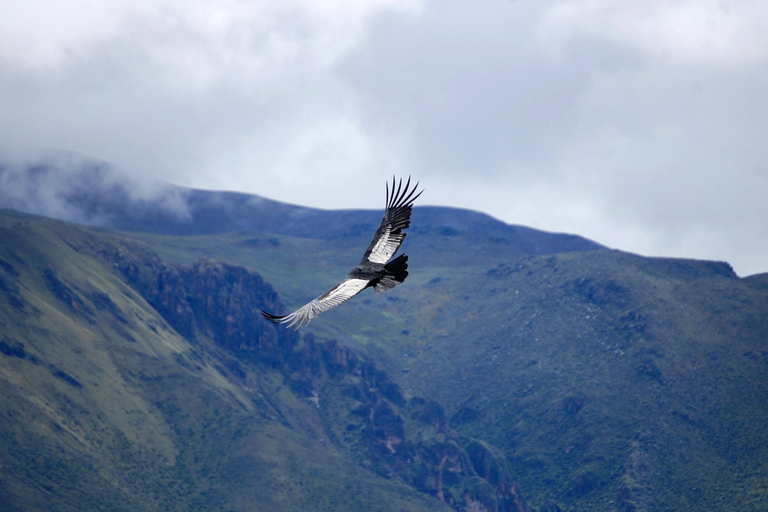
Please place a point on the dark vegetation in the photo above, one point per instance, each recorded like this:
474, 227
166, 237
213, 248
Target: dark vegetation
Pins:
516, 370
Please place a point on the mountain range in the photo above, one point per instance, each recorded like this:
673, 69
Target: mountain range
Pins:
515, 370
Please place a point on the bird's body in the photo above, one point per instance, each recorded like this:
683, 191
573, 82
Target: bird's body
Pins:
377, 269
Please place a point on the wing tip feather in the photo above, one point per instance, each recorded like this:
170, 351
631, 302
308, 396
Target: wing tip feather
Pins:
399, 196
275, 319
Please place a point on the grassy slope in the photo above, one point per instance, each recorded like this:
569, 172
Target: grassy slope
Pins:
302, 268
105, 407
608, 380
604, 375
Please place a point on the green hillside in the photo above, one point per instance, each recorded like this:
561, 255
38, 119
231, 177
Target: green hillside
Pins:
130, 383
513, 371
105, 406
607, 380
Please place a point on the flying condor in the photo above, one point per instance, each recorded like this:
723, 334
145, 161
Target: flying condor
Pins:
375, 269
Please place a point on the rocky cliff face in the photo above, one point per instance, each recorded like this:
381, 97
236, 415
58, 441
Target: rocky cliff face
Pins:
410, 439
208, 301
364, 412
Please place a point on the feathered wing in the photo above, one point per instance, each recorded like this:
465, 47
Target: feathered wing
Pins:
387, 240
339, 294
397, 217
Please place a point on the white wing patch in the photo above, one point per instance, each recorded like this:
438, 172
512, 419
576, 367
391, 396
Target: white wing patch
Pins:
385, 247
337, 295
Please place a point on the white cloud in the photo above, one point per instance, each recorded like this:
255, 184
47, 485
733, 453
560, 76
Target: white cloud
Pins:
45, 35
200, 91
199, 40
54, 184
691, 32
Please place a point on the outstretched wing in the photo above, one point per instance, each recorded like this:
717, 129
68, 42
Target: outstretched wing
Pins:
397, 217
339, 294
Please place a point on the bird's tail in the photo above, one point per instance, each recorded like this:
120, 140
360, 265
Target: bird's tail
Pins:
396, 272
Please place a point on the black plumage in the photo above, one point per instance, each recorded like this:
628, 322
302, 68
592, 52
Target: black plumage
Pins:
377, 269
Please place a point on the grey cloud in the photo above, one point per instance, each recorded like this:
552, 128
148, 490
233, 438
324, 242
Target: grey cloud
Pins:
79, 189
474, 88
651, 155
552, 114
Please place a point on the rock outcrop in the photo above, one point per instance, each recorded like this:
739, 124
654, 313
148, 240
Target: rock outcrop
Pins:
364, 411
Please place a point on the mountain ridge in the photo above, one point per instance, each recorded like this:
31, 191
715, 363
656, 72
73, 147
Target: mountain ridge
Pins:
590, 378
94, 193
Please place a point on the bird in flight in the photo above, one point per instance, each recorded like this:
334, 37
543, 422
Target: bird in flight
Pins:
375, 269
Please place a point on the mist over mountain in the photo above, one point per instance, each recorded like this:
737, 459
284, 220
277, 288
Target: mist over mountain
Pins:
84, 190
515, 370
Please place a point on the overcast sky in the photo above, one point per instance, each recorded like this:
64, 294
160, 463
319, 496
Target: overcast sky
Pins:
641, 125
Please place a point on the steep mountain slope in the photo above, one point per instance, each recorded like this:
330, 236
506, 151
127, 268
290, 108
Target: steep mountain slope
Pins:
107, 407
607, 377
607, 380
132, 384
